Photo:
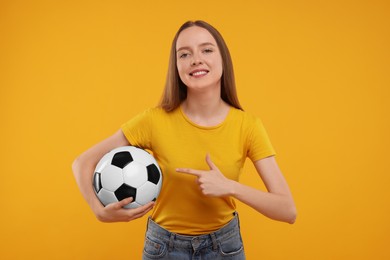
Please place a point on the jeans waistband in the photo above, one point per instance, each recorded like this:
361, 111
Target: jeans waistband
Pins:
187, 240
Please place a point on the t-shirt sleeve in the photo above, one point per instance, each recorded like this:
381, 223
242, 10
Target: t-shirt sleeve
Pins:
259, 146
138, 130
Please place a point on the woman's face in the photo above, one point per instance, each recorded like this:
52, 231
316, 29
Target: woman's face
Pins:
199, 61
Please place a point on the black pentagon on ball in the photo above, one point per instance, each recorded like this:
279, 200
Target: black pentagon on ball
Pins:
121, 159
97, 181
125, 191
153, 173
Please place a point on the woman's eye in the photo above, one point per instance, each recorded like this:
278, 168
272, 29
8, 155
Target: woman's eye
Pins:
183, 55
208, 50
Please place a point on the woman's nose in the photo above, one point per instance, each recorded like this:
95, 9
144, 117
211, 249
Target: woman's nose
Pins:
196, 60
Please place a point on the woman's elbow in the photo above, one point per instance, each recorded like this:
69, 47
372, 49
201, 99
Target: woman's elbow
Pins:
291, 215
76, 165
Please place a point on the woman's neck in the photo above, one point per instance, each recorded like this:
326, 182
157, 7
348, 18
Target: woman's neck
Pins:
205, 109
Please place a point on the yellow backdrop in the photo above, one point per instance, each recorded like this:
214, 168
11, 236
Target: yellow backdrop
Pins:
316, 72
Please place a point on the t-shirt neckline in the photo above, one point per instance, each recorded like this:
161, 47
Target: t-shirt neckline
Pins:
205, 127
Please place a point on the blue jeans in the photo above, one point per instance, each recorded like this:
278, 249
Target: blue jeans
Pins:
225, 243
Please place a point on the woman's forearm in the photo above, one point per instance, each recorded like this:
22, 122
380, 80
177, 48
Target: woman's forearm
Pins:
275, 206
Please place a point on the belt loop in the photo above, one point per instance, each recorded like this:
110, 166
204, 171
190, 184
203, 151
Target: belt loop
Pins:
238, 220
171, 238
214, 239
147, 223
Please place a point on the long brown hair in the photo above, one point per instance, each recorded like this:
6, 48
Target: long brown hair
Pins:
175, 91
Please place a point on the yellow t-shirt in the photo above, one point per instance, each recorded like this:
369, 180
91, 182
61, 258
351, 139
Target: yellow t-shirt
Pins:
176, 142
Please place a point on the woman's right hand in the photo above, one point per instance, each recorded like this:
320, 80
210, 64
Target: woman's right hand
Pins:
115, 212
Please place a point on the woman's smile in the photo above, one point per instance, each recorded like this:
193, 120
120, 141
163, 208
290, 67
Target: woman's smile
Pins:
199, 73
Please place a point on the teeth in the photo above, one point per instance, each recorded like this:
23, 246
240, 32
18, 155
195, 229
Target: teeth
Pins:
198, 73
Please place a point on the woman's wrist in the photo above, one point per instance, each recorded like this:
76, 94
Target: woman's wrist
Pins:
232, 188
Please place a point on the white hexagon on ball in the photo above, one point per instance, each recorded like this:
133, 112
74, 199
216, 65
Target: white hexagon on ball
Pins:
142, 156
135, 174
111, 177
106, 196
146, 193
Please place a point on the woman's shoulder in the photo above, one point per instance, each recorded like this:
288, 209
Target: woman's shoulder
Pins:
245, 116
153, 111
157, 112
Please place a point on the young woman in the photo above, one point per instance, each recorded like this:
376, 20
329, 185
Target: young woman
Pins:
200, 137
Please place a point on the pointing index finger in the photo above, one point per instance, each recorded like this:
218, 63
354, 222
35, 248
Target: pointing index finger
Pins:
189, 171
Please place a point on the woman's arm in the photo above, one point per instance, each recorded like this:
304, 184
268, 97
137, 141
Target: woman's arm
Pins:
83, 169
277, 203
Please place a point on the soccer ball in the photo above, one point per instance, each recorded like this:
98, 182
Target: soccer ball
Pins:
125, 172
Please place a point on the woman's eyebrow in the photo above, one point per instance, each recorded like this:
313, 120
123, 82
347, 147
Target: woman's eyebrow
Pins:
188, 48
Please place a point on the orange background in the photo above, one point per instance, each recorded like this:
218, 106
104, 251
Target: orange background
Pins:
316, 72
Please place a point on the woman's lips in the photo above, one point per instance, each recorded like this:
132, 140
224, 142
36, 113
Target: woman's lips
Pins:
198, 73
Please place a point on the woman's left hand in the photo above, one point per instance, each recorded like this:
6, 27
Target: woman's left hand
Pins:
212, 183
